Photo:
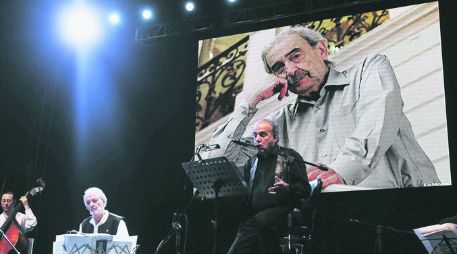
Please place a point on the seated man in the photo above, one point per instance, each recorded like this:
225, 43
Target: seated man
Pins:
276, 181
101, 220
26, 221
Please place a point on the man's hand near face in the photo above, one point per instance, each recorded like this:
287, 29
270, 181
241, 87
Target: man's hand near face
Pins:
278, 86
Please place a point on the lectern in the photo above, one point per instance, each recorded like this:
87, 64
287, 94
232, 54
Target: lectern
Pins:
94, 244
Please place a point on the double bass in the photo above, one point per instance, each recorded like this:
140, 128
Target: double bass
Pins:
12, 229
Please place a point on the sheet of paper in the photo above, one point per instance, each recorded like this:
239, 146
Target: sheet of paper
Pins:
437, 240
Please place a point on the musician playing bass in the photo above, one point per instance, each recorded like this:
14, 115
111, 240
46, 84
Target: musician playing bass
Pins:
27, 221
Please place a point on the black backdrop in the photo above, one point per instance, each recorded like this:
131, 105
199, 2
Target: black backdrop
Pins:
138, 165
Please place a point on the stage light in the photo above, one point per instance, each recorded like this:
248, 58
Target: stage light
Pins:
190, 6
232, 1
80, 25
114, 18
147, 14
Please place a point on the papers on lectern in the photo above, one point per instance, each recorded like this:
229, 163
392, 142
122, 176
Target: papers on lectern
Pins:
438, 239
94, 244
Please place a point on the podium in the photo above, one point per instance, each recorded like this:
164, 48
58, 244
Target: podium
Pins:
94, 244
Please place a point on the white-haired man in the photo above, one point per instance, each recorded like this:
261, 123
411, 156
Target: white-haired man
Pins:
101, 220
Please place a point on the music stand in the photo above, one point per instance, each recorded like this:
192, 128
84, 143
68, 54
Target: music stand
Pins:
215, 178
450, 243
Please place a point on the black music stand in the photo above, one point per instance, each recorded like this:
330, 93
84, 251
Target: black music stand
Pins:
215, 178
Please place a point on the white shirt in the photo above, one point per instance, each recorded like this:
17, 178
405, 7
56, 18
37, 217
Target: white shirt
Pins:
27, 221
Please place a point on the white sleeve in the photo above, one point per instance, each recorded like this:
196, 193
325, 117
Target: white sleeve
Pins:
28, 221
122, 229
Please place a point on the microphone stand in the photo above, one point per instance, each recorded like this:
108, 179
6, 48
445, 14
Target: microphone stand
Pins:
286, 163
3, 235
215, 222
379, 231
176, 228
379, 238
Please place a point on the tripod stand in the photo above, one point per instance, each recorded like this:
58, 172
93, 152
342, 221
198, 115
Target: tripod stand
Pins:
379, 231
215, 178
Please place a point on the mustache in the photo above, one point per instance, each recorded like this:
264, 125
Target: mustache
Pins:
293, 80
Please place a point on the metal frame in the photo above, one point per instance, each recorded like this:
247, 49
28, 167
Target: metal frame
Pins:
232, 19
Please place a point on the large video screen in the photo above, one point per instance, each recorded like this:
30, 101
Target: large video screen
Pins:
369, 102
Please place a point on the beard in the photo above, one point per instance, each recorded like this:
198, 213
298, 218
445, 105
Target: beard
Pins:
97, 212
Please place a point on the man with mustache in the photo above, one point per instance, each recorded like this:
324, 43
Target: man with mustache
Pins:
277, 182
352, 121
101, 220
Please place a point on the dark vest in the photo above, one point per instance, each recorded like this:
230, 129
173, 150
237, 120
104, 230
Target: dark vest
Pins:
109, 227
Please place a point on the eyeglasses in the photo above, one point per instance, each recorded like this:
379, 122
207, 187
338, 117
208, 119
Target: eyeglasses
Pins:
295, 56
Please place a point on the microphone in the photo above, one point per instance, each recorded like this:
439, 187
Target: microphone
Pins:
243, 142
354, 221
207, 148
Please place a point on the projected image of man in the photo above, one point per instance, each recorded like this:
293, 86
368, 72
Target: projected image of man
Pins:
351, 121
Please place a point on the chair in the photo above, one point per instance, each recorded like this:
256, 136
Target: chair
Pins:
302, 222
31, 241
312, 203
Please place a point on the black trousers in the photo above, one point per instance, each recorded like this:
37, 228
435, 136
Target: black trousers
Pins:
260, 233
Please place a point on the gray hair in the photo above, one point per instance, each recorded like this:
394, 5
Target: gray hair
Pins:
309, 35
96, 191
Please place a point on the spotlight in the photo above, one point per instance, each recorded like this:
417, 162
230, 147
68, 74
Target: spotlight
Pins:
146, 14
80, 25
190, 6
232, 1
114, 18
